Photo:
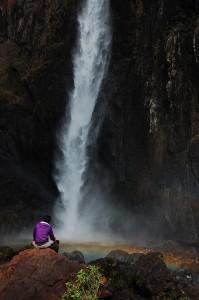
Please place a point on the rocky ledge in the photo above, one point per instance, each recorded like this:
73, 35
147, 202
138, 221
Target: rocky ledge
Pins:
42, 274
36, 274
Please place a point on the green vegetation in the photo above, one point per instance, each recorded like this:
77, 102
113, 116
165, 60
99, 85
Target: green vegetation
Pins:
85, 286
181, 298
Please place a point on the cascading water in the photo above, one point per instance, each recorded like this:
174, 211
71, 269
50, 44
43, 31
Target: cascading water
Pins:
90, 63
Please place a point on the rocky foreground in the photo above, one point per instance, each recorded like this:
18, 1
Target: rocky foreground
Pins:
42, 274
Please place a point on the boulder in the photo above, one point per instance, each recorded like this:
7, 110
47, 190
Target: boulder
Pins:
147, 278
75, 256
124, 257
117, 275
152, 280
6, 254
36, 274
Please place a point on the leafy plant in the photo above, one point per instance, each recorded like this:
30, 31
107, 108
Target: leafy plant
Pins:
84, 286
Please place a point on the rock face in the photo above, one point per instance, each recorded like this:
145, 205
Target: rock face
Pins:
36, 274
36, 38
149, 138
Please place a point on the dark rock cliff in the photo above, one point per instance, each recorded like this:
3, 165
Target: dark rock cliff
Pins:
150, 134
36, 37
149, 140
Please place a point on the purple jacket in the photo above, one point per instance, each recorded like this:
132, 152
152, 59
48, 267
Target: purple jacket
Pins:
42, 232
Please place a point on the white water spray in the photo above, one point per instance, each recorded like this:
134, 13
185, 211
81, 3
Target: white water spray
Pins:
90, 63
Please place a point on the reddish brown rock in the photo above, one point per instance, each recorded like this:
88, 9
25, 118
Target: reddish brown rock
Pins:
36, 274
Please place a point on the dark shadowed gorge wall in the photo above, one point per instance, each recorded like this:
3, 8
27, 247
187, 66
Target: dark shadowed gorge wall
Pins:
36, 38
150, 135
149, 140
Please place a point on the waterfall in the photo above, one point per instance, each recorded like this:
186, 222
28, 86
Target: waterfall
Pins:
90, 62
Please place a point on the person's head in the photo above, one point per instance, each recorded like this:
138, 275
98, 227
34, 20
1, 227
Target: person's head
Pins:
46, 218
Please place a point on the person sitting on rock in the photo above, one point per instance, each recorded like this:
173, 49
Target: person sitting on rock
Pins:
43, 236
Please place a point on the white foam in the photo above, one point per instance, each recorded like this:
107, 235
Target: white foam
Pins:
90, 63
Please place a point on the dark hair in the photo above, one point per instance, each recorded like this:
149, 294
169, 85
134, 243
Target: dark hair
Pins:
47, 218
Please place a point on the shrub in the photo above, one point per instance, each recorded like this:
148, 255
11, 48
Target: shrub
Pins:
84, 286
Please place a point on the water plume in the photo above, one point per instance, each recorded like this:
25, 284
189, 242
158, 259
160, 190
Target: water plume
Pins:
90, 63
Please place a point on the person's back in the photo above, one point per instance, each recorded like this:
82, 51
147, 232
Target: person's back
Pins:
42, 232
43, 236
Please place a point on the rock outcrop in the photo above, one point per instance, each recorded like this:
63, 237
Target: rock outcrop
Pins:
36, 274
124, 257
75, 256
42, 273
148, 278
